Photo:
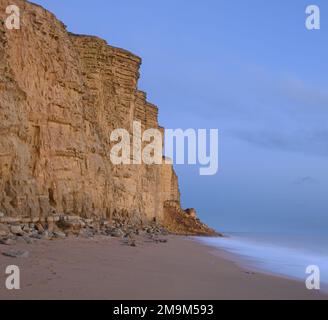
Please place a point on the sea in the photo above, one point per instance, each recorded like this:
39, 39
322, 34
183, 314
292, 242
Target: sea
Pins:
288, 255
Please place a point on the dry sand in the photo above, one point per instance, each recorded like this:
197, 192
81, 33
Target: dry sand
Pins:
106, 269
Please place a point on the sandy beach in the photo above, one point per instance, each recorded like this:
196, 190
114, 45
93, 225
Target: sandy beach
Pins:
106, 268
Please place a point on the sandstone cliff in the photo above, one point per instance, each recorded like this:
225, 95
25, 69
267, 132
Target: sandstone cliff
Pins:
61, 95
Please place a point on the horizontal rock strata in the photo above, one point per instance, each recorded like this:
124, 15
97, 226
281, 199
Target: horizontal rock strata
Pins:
61, 95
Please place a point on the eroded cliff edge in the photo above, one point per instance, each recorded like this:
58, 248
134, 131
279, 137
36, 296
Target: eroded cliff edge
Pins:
61, 95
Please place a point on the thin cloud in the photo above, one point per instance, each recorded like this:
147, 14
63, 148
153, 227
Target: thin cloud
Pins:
305, 180
301, 141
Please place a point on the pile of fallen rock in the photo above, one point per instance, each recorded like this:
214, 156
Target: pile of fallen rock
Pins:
26, 231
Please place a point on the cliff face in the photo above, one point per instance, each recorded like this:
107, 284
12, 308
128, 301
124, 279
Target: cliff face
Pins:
61, 96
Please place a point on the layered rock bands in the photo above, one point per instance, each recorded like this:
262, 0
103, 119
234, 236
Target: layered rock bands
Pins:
61, 96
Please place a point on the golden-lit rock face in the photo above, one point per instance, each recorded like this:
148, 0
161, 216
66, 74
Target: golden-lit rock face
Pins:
185, 222
61, 96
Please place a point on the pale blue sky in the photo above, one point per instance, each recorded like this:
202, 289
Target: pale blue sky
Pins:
248, 68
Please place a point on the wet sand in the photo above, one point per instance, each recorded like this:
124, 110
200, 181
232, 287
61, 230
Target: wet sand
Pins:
105, 268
